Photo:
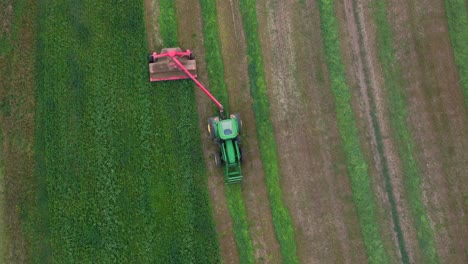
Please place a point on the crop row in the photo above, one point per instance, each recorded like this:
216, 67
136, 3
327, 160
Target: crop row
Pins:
357, 167
119, 167
215, 69
281, 219
398, 115
457, 17
401, 246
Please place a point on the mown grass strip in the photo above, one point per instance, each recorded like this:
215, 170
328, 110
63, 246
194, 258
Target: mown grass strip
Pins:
120, 170
215, 69
357, 168
398, 114
16, 128
380, 148
281, 219
457, 16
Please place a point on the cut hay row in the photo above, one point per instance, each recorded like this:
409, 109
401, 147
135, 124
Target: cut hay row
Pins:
457, 16
398, 116
281, 218
363, 195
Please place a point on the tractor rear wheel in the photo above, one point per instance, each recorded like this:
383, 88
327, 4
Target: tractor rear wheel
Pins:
217, 159
242, 154
239, 122
211, 123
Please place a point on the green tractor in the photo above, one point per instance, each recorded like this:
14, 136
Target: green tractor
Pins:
175, 64
227, 134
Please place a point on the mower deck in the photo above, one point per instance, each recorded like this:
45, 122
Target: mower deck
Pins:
163, 68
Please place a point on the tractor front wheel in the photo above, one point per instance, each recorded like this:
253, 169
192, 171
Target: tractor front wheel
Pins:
239, 122
211, 125
217, 159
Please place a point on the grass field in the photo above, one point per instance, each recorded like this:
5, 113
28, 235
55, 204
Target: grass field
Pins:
134, 186
363, 196
98, 165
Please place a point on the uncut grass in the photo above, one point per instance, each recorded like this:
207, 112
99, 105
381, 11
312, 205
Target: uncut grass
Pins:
120, 180
218, 88
281, 218
363, 195
457, 17
398, 114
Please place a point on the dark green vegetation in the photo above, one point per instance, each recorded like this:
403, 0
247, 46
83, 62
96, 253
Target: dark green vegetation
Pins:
357, 167
398, 114
119, 168
281, 218
218, 88
457, 16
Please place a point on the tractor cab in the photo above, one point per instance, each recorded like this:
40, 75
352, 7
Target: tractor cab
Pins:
226, 132
228, 129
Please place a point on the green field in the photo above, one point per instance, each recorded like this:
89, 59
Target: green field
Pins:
99, 165
114, 186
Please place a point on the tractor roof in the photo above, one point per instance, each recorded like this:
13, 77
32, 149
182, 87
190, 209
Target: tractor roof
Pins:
228, 129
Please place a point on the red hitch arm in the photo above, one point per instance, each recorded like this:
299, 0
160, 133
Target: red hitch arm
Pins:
182, 67
217, 103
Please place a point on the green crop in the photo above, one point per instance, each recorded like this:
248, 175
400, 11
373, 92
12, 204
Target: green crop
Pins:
398, 114
119, 168
218, 88
357, 167
281, 219
457, 16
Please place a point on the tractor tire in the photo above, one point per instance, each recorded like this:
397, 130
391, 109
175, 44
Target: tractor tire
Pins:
239, 140
217, 159
242, 155
211, 128
239, 122
150, 58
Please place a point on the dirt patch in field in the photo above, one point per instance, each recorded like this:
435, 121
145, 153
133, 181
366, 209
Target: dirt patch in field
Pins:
254, 189
17, 123
438, 119
315, 185
369, 98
